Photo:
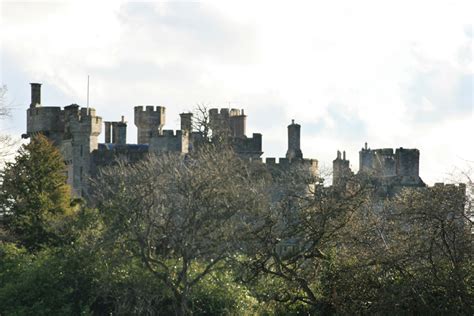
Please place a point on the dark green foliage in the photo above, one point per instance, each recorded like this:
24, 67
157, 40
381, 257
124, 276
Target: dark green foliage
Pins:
34, 198
49, 282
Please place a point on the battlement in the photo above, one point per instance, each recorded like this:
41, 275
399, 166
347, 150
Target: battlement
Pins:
455, 196
453, 186
85, 112
312, 164
248, 147
108, 154
149, 121
150, 108
229, 121
386, 162
170, 141
285, 161
226, 112
41, 110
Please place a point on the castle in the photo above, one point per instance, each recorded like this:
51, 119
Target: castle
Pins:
75, 131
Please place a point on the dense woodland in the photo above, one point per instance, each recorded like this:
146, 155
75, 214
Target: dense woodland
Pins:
210, 234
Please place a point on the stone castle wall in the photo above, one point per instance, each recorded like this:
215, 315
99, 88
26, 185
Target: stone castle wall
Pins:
75, 131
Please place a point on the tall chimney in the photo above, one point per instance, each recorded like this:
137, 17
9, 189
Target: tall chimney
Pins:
186, 121
35, 94
294, 150
119, 132
108, 126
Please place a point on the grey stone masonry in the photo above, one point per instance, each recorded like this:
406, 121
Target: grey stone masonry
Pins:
294, 149
75, 130
149, 122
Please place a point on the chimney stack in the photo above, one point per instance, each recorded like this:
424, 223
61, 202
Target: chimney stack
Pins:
119, 132
186, 121
108, 126
294, 150
35, 95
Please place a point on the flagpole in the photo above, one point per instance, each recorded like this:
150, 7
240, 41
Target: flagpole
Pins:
87, 93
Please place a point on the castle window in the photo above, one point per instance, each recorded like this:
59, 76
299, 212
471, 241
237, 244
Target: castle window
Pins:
80, 173
82, 150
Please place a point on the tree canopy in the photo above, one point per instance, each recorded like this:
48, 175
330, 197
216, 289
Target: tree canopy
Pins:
34, 196
208, 233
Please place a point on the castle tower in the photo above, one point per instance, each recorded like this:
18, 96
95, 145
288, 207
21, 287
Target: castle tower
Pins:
365, 160
294, 150
83, 128
148, 122
340, 169
47, 120
219, 122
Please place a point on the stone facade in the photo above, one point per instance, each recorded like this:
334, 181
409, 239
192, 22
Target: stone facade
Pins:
387, 171
400, 166
75, 132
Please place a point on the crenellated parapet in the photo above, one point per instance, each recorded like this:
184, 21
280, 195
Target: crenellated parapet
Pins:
170, 141
109, 154
454, 192
402, 163
228, 121
284, 164
47, 120
149, 121
248, 147
81, 121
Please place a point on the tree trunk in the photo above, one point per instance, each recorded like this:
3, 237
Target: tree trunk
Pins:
181, 307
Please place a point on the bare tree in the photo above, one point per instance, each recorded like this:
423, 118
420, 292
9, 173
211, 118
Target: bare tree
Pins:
411, 253
181, 216
307, 221
201, 120
6, 142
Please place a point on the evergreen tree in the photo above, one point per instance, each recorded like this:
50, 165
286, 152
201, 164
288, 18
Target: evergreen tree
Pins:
34, 197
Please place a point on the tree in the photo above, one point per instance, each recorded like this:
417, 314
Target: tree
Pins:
408, 254
35, 200
6, 142
181, 216
306, 223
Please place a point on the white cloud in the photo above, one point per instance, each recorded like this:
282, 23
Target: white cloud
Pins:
394, 74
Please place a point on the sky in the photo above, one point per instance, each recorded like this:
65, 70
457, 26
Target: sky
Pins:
390, 73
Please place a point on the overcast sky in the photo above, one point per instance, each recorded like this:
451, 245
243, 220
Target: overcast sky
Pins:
392, 73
